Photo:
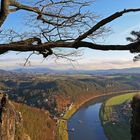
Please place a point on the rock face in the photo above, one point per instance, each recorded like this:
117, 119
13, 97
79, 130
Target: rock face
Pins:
11, 126
135, 121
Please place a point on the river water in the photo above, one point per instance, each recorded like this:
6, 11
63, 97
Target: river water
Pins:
85, 124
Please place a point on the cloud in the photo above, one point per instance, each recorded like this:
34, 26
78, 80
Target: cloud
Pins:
109, 63
85, 64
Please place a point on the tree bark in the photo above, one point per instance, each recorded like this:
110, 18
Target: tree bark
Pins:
4, 11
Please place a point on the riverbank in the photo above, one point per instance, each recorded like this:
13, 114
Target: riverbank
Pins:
115, 116
62, 130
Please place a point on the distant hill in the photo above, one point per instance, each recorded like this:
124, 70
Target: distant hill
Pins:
34, 70
48, 91
119, 71
44, 70
5, 72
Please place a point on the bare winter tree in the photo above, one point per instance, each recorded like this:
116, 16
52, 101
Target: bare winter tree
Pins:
58, 24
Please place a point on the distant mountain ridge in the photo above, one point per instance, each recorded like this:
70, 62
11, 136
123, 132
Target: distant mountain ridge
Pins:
3, 72
33, 70
44, 70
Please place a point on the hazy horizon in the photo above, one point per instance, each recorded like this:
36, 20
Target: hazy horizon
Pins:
91, 59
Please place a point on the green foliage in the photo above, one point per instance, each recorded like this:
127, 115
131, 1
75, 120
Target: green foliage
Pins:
118, 131
135, 38
115, 129
136, 35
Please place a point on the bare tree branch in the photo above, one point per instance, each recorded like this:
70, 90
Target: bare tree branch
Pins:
4, 11
28, 45
104, 22
60, 28
40, 13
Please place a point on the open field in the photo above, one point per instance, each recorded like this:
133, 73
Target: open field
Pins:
117, 100
115, 115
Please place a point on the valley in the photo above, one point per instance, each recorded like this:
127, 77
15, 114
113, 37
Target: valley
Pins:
51, 95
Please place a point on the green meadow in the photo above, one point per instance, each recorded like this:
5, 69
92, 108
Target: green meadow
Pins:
116, 124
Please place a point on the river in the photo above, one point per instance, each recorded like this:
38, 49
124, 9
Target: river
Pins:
85, 124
